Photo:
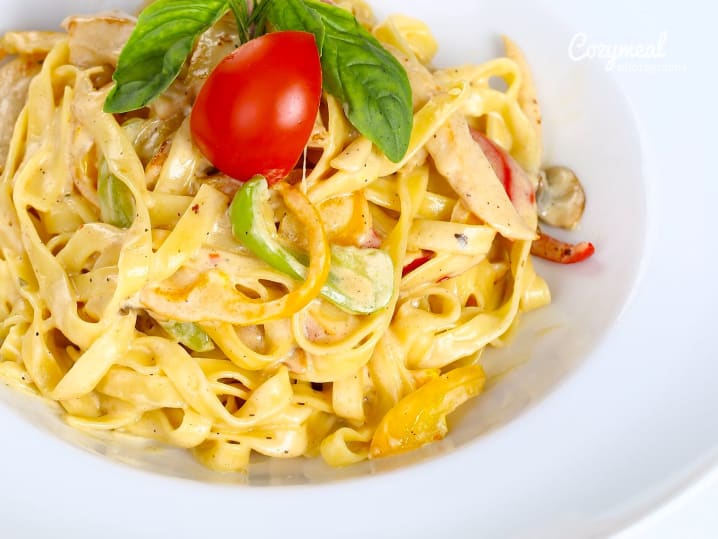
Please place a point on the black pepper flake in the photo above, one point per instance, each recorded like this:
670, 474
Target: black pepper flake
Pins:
461, 239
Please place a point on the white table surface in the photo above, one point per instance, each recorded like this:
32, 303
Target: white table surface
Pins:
692, 514
689, 44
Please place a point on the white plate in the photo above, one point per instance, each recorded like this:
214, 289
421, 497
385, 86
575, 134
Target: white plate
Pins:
610, 416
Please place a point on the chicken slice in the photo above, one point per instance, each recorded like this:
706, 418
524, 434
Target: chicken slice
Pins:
458, 158
97, 40
15, 77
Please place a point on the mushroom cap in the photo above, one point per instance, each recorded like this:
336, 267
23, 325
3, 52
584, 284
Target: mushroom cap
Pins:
560, 198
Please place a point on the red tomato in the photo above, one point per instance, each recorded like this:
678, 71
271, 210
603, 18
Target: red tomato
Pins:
256, 110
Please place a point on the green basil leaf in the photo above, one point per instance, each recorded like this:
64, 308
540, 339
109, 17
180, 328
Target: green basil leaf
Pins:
295, 15
258, 18
371, 83
165, 34
241, 16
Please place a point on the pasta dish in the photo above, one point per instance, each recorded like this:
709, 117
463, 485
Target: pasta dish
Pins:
323, 286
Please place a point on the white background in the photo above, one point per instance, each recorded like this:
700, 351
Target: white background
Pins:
689, 27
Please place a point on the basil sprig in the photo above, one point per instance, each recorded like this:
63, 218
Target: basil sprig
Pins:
356, 69
249, 25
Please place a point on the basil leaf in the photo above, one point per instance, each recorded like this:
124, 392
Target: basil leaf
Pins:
165, 34
295, 15
371, 83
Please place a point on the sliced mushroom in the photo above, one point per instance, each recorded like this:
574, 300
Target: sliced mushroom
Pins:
560, 198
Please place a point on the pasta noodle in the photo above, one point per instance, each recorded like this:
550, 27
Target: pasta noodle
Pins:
92, 314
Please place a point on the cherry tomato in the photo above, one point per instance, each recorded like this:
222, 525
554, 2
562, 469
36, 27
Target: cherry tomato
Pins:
257, 108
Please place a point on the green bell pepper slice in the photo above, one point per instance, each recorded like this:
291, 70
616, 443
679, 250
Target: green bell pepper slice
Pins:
361, 280
117, 205
188, 334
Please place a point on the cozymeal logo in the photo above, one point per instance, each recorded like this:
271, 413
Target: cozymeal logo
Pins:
640, 57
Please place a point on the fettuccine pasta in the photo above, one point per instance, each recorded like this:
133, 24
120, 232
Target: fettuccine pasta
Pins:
166, 327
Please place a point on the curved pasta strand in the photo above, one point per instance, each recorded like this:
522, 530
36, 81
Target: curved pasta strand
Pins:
191, 432
336, 451
123, 162
348, 397
226, 338
223, 456
119, 415
478, 77
94, 363
527, 100
144, 391
189, 233
409, 35
209, 299
338, 130
480, 330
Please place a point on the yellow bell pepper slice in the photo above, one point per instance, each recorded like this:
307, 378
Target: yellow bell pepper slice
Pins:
420, 417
